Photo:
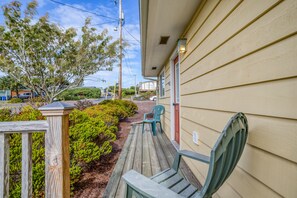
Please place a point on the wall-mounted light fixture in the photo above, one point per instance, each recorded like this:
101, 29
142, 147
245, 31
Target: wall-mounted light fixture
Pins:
181, 43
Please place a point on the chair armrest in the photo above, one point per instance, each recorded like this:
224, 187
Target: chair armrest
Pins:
147, 114
147, 187
195, 156
189, 154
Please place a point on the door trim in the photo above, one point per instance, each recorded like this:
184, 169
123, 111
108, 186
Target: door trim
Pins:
172, 118
176, 97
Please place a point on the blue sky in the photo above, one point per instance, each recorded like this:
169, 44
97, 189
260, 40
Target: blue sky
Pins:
68, 17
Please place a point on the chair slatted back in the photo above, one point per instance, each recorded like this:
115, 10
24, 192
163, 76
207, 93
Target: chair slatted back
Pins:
158, 110
226, 153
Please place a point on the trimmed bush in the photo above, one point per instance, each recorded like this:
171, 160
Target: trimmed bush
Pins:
80, 93
128, 92
83, 104
92, 132
90, 138
27, 113
36, 102
126, 105
5, 115
148, 94
15, 100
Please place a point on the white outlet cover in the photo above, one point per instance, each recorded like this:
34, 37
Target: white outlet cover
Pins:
195, 137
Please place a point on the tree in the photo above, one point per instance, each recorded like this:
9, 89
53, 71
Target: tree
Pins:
47, 58
6, 82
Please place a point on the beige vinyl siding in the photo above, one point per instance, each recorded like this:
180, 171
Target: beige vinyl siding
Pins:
165, 101
242, 56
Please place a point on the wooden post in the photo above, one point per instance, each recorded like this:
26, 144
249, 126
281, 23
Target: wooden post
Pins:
26, 165
57, 158
4, 165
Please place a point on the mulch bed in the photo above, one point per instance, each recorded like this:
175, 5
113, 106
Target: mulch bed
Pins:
94, 180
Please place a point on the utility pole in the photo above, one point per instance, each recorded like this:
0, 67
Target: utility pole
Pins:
114, 90
135, 85
107, 91
120, 40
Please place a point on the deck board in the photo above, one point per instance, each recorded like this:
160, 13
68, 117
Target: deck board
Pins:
121, 189
146, 154
110, 190
155, 164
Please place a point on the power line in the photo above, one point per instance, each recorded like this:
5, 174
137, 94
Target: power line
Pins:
128, 65
108, 22
131, 35
129, 40
82, 10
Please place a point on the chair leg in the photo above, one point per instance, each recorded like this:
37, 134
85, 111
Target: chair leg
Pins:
161, 127
154, 128
142, 127
129, 192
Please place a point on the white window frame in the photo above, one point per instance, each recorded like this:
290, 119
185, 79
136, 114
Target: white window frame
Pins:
162, 84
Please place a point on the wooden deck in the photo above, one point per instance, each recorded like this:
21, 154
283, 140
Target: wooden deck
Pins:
146, 154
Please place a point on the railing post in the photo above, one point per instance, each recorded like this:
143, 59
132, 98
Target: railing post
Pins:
4, 165
57, 158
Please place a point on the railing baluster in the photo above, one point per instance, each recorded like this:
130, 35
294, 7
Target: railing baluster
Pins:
26, 165
4, 165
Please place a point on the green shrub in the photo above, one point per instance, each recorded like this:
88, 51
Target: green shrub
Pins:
129, 107
83, 104
148, 94
109, 109
80, 93
27, 113
128, 92
36, 102
90, 138
15, 100
5, 115
92, 132
110, 118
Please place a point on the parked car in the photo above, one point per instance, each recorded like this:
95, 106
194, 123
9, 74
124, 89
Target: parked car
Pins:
26, 95
138, 98
153, 98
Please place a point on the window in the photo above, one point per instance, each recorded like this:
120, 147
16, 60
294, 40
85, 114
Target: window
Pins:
162, 84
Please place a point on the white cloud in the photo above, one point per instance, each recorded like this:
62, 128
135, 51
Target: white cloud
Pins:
69, 17
41, 3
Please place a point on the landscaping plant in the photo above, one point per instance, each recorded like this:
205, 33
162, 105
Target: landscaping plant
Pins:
80, 93
15, 100
92, 132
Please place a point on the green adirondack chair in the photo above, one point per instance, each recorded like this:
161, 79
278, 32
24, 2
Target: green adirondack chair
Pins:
156, 113
223, 158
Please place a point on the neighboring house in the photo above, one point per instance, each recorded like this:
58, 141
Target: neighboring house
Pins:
148, 86
5, 94
240, 56
20, 91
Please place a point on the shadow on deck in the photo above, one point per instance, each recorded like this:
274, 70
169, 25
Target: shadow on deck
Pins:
146, 154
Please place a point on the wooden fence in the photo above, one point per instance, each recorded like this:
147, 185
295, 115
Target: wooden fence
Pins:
57, 158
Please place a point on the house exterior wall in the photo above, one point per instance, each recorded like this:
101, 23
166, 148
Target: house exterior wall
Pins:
165, 101
148, 86
241, 57
21, 91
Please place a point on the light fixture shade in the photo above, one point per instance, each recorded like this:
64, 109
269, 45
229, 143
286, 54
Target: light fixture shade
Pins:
181, 43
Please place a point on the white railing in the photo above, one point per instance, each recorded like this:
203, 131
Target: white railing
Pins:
57, 158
